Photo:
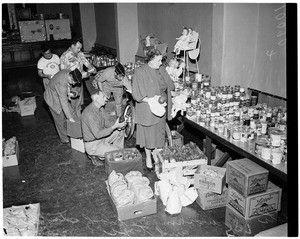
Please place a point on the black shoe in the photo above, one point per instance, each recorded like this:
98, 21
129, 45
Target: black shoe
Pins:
150, 170
65, 141
96, 160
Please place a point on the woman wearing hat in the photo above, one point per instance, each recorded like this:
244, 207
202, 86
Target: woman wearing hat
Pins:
112, 80
57, 96
150, 82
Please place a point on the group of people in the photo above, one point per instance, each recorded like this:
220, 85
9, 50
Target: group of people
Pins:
65, 75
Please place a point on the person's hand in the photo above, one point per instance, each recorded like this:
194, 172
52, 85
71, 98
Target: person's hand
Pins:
72, 120
92, 70
118, 125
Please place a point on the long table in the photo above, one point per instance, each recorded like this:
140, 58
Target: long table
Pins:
246, 149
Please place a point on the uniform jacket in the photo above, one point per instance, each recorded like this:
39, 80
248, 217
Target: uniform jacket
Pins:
55, 94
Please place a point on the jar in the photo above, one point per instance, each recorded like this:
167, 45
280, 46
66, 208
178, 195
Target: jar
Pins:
258, 129
226, 130
202, 123
255, 114
195, 85
236, 133
246, 121
263, 127
266, 152
244, 135
251, 134
221, 127
276, 156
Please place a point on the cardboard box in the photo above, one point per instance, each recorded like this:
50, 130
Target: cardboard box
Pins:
256, 204
58, 28
120, 161
11, 160
28, 217
209, 200
188, 167
246, 176
27, 106
32, 31
135, 210
74, 129
248, 227
78, 145
214, 184
177, 138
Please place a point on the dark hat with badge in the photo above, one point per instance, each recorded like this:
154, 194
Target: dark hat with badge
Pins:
92, 86
119, 69
77, 76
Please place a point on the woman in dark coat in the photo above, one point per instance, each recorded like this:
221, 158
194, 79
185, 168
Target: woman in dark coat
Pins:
151, 80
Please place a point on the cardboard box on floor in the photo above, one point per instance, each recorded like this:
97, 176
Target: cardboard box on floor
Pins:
11, 160
256, 204
124, 165
21, 220
214, 184
126, 212
78, 145
246, 176
209, 200
248, 227
27, 106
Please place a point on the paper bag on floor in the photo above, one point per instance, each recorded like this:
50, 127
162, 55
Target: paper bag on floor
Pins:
173, 204
188, 197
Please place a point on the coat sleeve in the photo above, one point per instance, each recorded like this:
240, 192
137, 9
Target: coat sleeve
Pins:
62, 96
139, 91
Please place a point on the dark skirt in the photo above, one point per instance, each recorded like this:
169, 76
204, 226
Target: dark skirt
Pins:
152, 136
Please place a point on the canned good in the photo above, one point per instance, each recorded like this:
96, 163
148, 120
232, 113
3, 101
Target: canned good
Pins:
236, 133
266, 152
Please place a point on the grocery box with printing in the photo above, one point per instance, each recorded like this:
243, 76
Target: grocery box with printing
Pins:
21, 220
11, 153
209, 200
256, 204
123, 161
246, 176
210, 178
248, 227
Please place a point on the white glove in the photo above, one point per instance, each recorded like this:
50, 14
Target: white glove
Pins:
155, 107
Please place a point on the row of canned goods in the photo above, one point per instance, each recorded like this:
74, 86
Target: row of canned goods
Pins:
102, 60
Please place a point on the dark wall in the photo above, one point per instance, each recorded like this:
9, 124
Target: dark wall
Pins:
166, 20
105, 24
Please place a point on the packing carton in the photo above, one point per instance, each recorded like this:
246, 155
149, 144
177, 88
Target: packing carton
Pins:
123, 161
134, 210
21, 220
246, 176
248, 227
11, 160
78, 145
256, 204
209, 200
211, 183
27, 106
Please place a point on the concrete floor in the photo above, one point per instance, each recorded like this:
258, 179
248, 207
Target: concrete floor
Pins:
71, 190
